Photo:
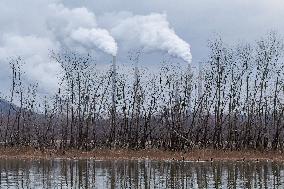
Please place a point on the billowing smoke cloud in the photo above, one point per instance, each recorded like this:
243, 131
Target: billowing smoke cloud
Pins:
81, 27
95, 37
153, 32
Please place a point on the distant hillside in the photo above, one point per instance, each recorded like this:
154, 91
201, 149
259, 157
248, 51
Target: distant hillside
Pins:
5, 105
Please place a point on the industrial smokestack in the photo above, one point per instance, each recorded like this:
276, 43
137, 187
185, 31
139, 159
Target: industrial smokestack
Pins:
189, 87
113, 112
200, 78
134, 56
136, 74
114, 83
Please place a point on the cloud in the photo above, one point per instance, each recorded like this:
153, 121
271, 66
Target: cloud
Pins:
34, 51
26, 33
32, 35
67, 19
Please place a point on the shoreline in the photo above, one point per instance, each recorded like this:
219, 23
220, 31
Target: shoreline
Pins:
27, 153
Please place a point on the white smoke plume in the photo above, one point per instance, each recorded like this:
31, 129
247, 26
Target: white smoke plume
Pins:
153, 32
95, 37
80, 25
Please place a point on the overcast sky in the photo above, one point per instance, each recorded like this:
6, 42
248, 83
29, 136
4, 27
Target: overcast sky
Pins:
31, 28
196, 21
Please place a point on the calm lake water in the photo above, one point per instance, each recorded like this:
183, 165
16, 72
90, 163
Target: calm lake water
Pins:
139, 174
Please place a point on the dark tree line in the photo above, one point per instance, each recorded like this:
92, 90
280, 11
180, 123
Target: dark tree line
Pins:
234, 102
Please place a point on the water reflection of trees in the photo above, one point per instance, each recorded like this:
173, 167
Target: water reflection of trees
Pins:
139, 174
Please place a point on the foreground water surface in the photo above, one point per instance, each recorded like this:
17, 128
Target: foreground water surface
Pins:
139, 174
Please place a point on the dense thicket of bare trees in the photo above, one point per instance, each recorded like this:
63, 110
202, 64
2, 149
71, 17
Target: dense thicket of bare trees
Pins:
238, 104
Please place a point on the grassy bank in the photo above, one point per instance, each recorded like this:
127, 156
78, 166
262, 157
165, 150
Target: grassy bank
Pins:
122, 154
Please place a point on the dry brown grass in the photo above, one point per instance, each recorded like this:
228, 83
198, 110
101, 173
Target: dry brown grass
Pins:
123, 154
